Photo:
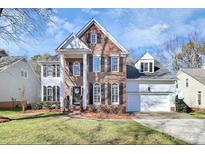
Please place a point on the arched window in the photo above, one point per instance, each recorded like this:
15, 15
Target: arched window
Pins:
97, 93
76, 69
115, 93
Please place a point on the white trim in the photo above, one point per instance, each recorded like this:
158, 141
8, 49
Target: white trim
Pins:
100, 93
118, 94
84, 81
62, 82
76, 62
104, 31
197, 98
95, 34
118, 63
99, 56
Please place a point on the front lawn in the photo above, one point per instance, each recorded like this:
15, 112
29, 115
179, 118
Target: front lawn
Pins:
200, 115
54, 128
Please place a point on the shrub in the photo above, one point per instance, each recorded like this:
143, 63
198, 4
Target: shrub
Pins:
45, 105
181, 106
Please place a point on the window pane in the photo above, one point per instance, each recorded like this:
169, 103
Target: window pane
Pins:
114, 65
58, 70
97, 93
93, 38
96, 63
115, 93
145, 67
76, 69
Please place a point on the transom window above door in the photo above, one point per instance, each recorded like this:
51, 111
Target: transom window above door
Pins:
96, 63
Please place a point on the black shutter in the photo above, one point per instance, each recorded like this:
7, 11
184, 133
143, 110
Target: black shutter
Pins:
58, 70
121, 64
88, 38
54, 93
54, 70
102, 93
44, 93
98, 38
109, 93
102, 64
91, 63
91, 93
71, 69
58, 93
81, 69
109, 64
44, 70
121, 93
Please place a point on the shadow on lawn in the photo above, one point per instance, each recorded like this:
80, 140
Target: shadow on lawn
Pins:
40, 115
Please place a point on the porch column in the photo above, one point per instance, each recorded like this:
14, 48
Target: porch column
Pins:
62, 82
84, 81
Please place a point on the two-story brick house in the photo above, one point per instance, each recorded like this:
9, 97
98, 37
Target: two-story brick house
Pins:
92, 67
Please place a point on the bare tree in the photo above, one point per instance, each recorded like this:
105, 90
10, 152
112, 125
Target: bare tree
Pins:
14, 23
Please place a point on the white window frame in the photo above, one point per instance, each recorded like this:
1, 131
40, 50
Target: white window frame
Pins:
99, 69
148, 67
77, 64
118, 93
47, 70
118, 59
197, 98
95, 38
47, 89
99, 86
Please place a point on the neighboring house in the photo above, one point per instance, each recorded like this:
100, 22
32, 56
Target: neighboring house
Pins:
191, 87
50, 78
150, 87
18, 81
92, 68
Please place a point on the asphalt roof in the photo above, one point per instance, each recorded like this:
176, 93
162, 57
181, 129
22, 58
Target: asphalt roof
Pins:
5, 62
50, 58
159, 73
196, 73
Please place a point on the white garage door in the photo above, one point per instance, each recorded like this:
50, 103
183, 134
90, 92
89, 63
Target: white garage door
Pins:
155, 103
147, 103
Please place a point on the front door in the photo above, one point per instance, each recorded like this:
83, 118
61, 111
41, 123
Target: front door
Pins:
77, 99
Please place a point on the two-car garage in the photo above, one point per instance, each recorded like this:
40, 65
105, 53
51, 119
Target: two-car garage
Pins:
149, 96
143, 102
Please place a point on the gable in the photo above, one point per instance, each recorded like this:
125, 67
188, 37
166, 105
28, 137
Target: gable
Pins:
108, 41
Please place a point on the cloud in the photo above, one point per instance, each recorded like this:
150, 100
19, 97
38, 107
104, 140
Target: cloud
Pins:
90, 11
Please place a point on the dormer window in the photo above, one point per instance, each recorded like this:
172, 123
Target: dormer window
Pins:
146, 67
93, 38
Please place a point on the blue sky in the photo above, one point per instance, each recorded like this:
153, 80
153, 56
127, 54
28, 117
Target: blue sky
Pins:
136, 29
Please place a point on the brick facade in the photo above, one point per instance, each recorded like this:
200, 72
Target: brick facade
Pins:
105, 48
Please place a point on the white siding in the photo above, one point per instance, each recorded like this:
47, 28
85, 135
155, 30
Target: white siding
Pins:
190, 93
17, 87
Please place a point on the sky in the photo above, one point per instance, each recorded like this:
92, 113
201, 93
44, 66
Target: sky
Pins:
138, 30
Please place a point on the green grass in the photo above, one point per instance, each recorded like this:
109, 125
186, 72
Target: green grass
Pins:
54, 128
199, 115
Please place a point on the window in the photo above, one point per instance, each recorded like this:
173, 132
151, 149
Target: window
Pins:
58, 70
96, 63
97, 93
24, 73
146, 67
51, 93
93, 38
114, 64
177, 84
76, 69
49, 70
187, 82
199, 97
114, 93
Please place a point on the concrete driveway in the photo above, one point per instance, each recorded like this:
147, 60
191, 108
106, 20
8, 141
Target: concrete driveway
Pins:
179, 125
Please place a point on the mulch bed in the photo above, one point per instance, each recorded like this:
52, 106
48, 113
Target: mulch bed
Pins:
4, 119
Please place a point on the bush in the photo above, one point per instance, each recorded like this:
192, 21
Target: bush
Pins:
104, 108
45, 105
181, 106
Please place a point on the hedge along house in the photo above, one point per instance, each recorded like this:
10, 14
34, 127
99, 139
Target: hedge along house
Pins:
92, 67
